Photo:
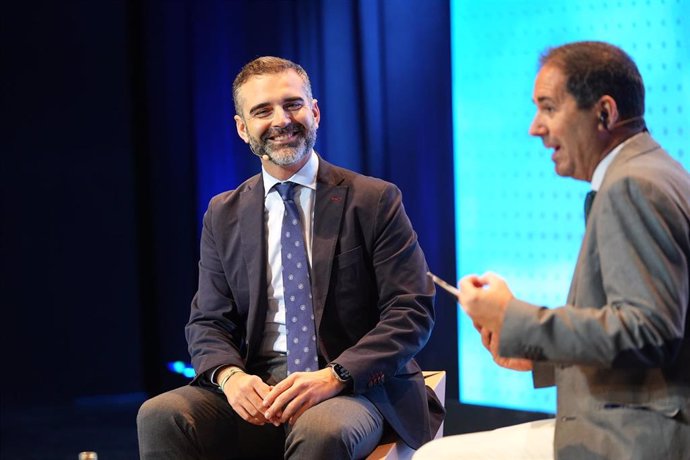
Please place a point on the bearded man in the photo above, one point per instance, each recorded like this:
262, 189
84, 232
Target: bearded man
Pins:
313, 300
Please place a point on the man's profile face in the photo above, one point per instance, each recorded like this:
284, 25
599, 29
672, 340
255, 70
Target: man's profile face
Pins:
278, 118
571, 132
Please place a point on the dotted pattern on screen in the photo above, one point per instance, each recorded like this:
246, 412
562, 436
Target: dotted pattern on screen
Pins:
514, 215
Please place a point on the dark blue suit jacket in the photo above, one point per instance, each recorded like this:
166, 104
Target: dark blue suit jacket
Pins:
373, 301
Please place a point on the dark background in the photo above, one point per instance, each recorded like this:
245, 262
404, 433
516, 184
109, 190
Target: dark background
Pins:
117, 131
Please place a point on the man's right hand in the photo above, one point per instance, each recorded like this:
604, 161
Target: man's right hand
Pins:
491, 342
245, 393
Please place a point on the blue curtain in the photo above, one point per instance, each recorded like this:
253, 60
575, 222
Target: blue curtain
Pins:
121, 127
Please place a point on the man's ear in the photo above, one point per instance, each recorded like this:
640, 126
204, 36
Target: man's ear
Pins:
241, 128
315, 111
608, 112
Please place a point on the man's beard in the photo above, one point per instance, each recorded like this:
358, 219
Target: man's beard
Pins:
285, 154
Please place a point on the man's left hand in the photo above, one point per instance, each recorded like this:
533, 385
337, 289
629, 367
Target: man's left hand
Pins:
491, 342
298, 392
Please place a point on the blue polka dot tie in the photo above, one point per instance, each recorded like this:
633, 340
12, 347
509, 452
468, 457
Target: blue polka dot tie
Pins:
299, 313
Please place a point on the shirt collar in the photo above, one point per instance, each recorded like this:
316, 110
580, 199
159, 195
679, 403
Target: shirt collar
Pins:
600, 170
305, 177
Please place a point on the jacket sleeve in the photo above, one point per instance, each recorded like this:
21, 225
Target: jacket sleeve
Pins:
403, 297
214, 332
638, 262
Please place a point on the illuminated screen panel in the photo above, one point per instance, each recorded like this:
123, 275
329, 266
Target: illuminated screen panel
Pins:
514, 216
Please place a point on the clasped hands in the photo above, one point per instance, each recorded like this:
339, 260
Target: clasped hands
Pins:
259, 403
485, 299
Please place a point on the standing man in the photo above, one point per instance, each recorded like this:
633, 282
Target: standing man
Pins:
312, 302
619, 351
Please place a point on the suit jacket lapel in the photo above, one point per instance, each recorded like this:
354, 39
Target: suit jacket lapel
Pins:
253, 247
328, 213
639, 146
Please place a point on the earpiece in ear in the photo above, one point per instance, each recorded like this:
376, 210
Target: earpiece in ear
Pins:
604, 119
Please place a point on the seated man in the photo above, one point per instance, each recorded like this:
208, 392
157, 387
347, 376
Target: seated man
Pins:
313, 300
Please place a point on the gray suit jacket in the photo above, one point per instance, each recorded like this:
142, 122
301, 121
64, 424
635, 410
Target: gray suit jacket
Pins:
373, 302
619, 351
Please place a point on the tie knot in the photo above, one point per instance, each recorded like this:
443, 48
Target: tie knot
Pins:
286, 189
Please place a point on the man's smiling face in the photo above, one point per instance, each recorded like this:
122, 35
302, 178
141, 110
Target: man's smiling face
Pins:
278, 117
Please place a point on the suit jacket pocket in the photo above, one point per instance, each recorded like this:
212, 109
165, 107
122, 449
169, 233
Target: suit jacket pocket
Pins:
347, 258
351, 298
666, 408
348, 274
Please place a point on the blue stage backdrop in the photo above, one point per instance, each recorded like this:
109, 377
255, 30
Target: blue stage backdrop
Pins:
514, 215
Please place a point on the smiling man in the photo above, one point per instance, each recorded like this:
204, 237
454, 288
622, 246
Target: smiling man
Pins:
285, 97
619, 350
313, 300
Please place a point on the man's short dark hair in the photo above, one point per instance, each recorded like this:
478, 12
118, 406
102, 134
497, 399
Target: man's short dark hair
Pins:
266, 65
594, 69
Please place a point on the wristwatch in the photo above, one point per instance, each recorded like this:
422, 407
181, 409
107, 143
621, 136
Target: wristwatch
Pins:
340, 373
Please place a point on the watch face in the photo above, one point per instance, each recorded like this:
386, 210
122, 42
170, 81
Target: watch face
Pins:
341, 372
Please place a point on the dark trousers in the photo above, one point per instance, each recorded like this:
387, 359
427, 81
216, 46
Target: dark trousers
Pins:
197, 423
